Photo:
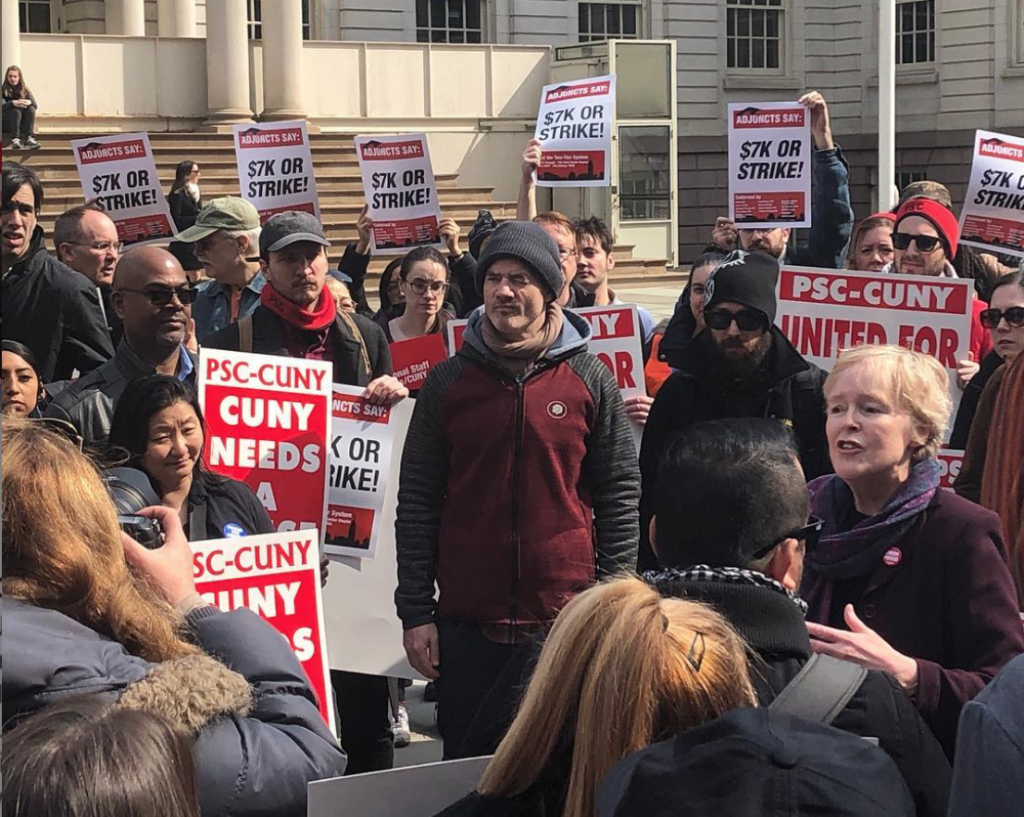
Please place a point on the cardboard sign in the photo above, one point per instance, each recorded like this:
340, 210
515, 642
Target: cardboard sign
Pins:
268, 424
398, 182
824, 312
275, 168
363, 628
416, 791
119, 172
993, 214
362, 436
950, 461
770, 165
277, 576
574, 126
412, 360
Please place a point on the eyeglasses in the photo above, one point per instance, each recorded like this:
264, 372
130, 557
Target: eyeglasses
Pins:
420, 287
1014, 316
747, 320
100, 246
925, 243
809, 534
162, 296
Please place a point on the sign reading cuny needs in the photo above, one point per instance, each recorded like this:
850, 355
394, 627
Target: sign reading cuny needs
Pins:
824, 313
275, 168
277, 576
268, 422
574, 127
362, 436
120, 174
993, 214
770, 165
398, 181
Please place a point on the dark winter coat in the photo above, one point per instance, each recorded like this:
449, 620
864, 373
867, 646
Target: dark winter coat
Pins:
255, 749
969, 401
54, 311
184, 209
515, 492
349, 367
230, 507
949, 603
793, 396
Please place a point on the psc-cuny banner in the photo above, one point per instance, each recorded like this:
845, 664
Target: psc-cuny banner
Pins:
993, 213
120, 174
574, 127
275, 167
769, 165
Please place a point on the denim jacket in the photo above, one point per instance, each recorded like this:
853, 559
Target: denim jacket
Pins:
212, 308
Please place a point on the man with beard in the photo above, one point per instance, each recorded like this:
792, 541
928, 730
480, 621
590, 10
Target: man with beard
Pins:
152, 297
740, 365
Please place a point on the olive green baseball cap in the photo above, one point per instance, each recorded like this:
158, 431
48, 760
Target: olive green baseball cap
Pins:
227, 213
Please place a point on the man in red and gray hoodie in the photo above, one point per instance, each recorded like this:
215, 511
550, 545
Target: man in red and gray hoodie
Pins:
519, 485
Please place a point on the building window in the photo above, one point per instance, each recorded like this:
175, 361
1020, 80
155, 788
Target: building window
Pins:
255, 18
449, 21
754, 34
609, 21
915, 32
907, 177
1018, 32
34, 16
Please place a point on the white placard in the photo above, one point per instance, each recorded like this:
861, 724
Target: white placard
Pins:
275, 168
993, 214
574, 127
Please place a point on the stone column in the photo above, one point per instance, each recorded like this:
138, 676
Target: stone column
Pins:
282, 60
127, 17
11, 45
227, 63
176, 18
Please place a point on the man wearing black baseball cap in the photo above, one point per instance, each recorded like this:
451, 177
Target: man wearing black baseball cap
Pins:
740, 365
297, 318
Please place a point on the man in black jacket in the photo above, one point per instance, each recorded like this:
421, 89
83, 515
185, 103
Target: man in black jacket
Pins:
47, 306
731, 529
152, 297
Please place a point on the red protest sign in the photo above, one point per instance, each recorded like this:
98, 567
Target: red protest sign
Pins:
412, 360
950, 463
277, 576
268, 422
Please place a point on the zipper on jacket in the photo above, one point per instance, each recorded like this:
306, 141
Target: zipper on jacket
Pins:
515, 555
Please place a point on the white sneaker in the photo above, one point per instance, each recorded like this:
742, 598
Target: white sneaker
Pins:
401, 731
31, 143
15, 144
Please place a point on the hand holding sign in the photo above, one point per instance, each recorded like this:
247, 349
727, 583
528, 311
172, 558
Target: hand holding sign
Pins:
821, 130
532, 157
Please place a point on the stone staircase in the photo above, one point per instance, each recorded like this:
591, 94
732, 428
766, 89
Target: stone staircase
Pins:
338, 184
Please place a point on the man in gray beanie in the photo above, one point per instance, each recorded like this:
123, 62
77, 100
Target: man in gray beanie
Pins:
519, 483
740, 365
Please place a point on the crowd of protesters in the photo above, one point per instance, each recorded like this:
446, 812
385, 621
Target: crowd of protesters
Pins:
775, 575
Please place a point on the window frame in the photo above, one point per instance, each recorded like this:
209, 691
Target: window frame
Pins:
908, 176
54, 23
254, 22
933, 31
1017, 32
424, 32
784, 10
638, 34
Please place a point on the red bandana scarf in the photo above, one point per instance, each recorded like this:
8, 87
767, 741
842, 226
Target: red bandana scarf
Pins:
322, 316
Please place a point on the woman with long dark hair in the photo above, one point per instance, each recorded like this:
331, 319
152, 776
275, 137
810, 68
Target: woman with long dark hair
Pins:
23, 390
186, 200
159, 424
19, 110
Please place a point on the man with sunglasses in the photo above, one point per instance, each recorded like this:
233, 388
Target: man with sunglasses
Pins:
152, 297
740, 365
731, 527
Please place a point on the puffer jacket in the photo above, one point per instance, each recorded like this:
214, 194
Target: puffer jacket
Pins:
516, 492
258, 735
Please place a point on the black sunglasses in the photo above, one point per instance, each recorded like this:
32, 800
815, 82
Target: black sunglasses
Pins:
990, 318
162, 296
925, 243
809, 534
747, 320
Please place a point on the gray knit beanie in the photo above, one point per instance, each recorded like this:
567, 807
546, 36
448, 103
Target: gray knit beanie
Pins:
529, 244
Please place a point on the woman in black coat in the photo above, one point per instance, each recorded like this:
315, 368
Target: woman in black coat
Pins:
186, 201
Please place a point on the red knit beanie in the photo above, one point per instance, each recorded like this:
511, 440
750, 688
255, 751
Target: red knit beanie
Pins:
941, 219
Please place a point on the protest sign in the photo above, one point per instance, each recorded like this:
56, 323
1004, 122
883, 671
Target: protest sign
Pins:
416, 791
993, 214
769, 165
574, 127
277, 576
275, 168
398, 182
950, 463
363, 628
268, 422
412, 360
362, 436
119, 173
823, 313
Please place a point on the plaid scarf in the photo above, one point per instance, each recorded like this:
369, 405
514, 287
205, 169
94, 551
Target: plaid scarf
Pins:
727, 575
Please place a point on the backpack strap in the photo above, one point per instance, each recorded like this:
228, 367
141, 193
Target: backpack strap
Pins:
357, 335
821, 690
245, 335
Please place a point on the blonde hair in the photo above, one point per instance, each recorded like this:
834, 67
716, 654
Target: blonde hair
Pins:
917, 382
622, 668
338, 290
862, 229
557, 220
62, 545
